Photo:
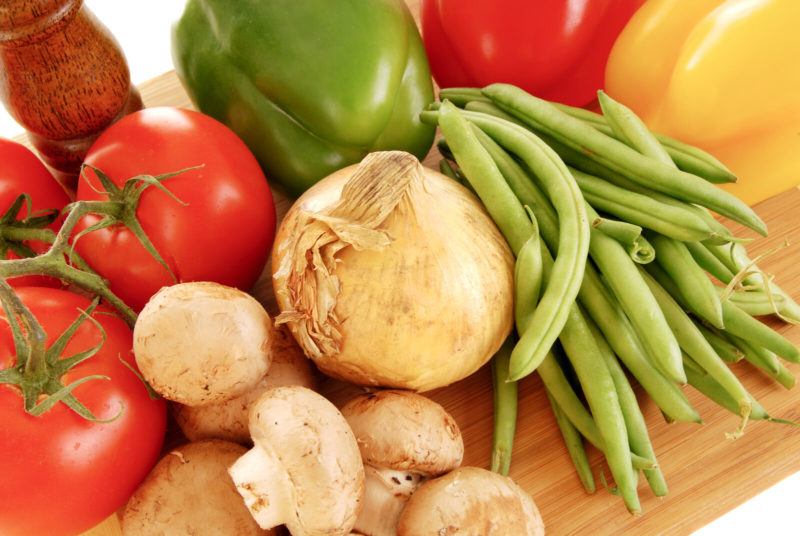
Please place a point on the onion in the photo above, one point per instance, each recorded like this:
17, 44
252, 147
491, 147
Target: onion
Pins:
390, 274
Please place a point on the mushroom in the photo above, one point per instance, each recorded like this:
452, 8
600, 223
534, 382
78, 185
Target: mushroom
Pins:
189, 492
404, 438
228, 420
305, 470
470, 501
202, 343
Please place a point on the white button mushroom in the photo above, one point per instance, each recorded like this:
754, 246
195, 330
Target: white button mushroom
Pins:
404, 438
202, 343
228, 420
305, 470
189, 492
470, 502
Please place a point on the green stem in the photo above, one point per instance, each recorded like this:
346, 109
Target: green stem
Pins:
34, 336
505, 410
24, 234
54, 262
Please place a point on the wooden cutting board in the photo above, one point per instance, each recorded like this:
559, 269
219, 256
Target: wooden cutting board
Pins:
708, 475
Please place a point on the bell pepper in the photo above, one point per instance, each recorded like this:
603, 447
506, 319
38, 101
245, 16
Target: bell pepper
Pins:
556, 50
722, 75
309, 86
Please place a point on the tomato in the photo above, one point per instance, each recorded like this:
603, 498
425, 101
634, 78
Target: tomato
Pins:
555, 49
21, 172
224, 231
63, 474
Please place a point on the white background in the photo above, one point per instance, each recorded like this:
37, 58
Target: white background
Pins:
143, 30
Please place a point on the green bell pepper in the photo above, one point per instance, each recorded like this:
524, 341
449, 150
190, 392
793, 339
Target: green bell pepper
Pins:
310, 86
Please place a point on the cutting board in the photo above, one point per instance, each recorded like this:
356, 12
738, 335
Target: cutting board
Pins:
708, 474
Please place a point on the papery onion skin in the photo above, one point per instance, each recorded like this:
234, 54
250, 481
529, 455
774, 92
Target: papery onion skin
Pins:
423, 312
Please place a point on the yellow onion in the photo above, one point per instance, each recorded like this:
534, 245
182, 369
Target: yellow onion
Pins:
390, 274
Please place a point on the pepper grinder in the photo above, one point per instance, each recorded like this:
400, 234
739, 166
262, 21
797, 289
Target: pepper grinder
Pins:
63, 77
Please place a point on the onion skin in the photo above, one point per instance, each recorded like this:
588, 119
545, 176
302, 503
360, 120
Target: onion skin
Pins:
422, 312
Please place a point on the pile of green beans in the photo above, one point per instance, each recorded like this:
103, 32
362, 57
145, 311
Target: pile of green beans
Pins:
614, 246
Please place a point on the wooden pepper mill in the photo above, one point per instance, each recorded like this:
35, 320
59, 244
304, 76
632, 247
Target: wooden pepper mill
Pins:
63, 77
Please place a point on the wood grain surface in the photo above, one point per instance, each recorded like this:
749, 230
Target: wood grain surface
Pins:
708, 475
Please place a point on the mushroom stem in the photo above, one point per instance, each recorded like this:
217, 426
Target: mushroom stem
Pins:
386, 494
264, 484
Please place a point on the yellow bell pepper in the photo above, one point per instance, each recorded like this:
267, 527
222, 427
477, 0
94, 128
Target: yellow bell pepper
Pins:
720, 74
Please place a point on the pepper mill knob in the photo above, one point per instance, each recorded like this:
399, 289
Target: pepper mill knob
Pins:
63, 77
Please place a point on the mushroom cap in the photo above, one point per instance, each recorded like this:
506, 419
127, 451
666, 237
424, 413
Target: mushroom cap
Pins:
202, 343
470, 501
189, 492
404, 431
228, 420
317, 449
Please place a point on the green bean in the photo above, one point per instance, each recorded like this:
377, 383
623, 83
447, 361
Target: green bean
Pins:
505, 410
686, 157
644, 314
683, 218
482, 173
446, 169
638, 435
754, 302
678, 219
527, 279
559, 387
574, 443
696, 288
722, 346
734, 256
629, 237
768, 362
557, 384
699, 349
460, 96
742, 325
717, 233
633, 207
490, 108
620, 231
606, 311
621, 158
522, 236
593, 295
703, 382
708, 262
598, 387
573, 245
638, 302
631, 130
762, 355
737, 322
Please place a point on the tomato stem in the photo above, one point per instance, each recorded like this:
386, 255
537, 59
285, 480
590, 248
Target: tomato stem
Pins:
39, 369
30, 347
61, 260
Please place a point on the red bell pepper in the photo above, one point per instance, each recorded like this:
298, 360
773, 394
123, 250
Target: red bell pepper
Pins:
555, 49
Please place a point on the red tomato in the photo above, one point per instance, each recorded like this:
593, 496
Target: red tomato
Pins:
223, 234
62, 474
21, 172
555, 49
